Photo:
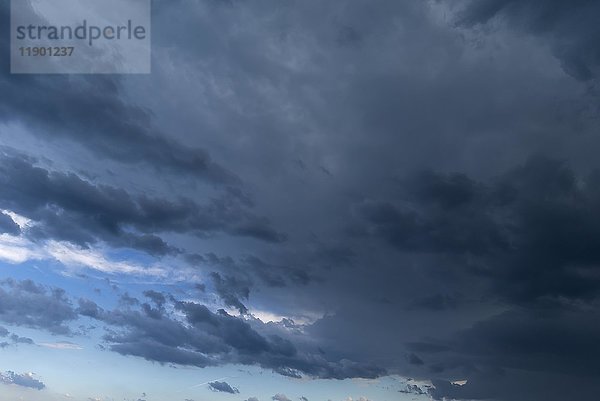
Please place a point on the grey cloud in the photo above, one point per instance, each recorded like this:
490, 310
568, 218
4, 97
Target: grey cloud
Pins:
21, 340
96, 105
414, 359
248, 269
436, 302
27, 304
231, 291
549, 338
23, 380
532, 230
159, 301
126, 299
208, 339
358, 93
7, 225
73, 209
521, 354
222, 387
158, 298
280, 397
522, 244
259, 228
518, 386
412, 389
570, 27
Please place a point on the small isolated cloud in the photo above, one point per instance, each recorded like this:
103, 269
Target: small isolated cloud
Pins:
252, 399
280, 397
24, 380
222, 387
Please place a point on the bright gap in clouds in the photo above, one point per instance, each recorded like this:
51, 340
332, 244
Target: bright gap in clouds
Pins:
17, 249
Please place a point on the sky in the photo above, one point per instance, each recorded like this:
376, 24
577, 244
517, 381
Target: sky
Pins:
309, 201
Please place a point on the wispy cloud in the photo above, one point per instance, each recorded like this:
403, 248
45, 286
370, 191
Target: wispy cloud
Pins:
62, 345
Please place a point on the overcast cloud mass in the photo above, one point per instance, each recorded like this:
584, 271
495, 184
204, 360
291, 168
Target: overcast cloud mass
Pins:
309, 200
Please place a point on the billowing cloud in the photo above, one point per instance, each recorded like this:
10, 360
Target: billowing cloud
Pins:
27, 304
206, 338
24, 380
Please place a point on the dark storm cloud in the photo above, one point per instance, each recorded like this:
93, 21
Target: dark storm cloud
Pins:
533, 231
414, 359
509, 294
23, 380
436, 302
527, 241
517, 386
93, 112
222, 387
351, 94
555, 339
73, 209
259, 228
208, 339
454, 219
570, 26
25, 303
520, 354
